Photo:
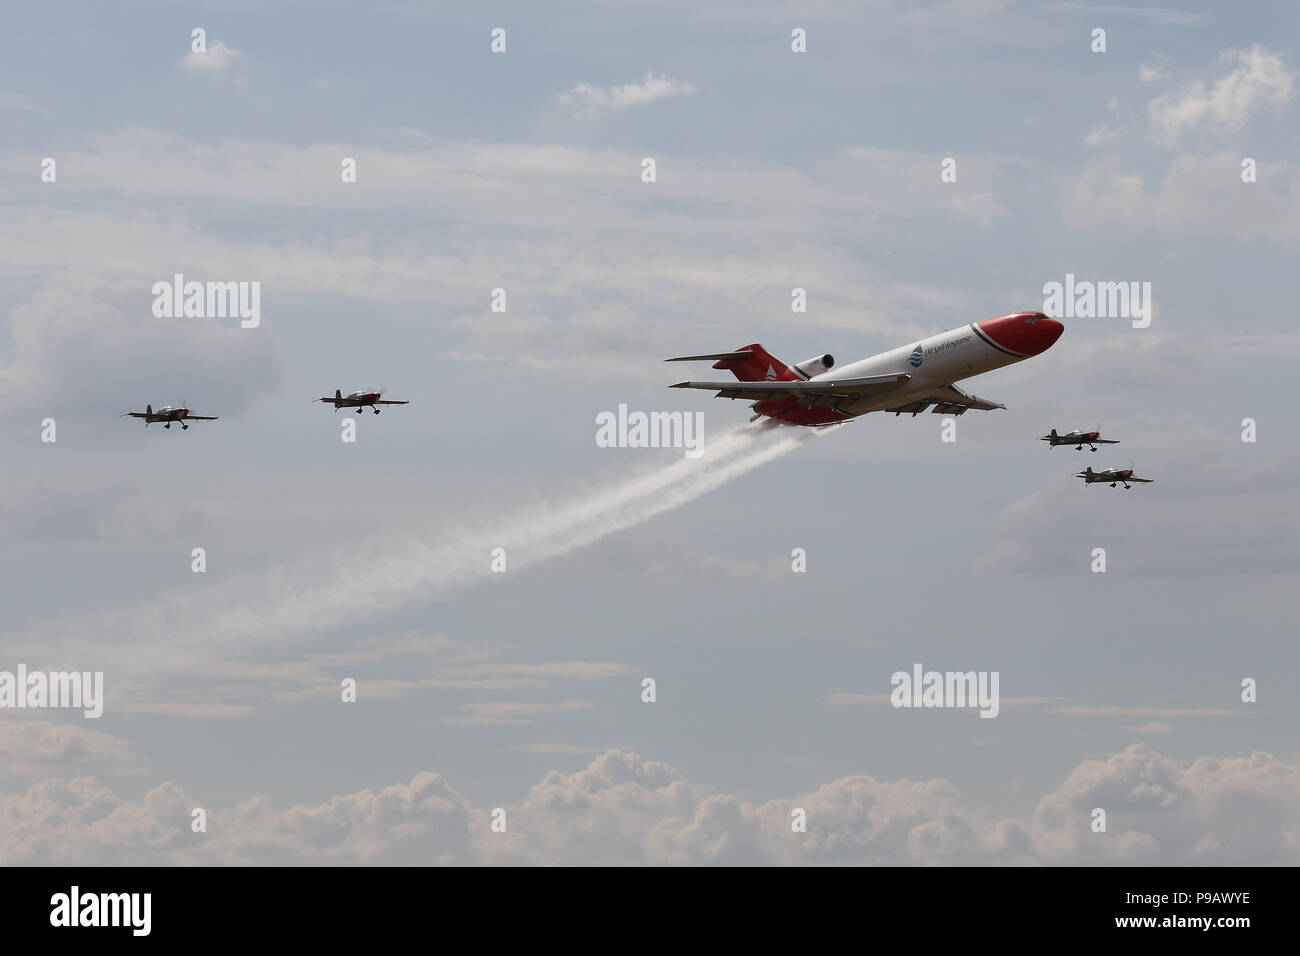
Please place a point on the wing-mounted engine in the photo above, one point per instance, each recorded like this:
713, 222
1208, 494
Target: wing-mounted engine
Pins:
815, 365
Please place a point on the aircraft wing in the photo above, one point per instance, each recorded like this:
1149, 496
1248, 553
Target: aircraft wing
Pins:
1145, 481
388, 403
1102, 441
200, 418
815, 392
949, 400
133, 415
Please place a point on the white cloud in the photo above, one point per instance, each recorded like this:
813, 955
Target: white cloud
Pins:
1152, 73
585, 98
88, 343
1258, 78
218, 57
1100, 134
514, 711
1198, 194
720, 225
31, 748
1231, 811
1153, 727
1150, 14
1090, 711
624, 810
1181, 531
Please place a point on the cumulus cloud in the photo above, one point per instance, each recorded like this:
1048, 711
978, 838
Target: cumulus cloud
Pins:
32, 748
1152, 73
586, 99
218, 57
622, 810
85, 345
1197, 194
1180, 533
1257, 78
1232, 811
81, 822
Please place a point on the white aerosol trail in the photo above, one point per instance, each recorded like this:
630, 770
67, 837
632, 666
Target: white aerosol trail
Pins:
300, 598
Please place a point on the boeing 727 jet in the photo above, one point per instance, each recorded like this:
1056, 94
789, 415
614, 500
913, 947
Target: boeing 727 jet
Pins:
911, 378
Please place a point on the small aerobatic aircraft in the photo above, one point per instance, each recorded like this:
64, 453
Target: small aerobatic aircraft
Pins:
167, 415
359, 399
1111, 476
1078, 438
906, 379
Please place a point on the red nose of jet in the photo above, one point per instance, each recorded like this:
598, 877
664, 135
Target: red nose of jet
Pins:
1021, 333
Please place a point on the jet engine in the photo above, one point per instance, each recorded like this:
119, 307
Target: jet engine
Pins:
816, 365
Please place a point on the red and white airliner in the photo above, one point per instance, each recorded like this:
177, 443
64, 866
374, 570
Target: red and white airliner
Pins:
907, 379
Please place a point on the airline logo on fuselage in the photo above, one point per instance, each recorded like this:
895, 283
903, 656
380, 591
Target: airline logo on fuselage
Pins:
942, 347
917, 357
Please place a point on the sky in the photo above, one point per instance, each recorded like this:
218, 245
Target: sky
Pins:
771, 588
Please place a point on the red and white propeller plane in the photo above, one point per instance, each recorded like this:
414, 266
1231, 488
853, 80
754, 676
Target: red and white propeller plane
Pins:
906, 379
1078, 439
1111, 476
167, 415
358, 399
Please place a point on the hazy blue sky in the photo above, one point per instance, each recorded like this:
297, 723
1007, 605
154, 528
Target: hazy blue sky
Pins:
522, 170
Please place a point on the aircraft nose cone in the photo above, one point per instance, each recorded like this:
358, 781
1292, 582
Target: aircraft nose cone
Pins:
1050, 331
1022, 333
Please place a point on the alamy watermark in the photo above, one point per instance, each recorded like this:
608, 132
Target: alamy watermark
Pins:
208, 300
626, 429
946, 689
1098, 300
53, 689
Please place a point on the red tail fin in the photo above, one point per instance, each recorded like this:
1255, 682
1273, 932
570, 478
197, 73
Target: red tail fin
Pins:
758, 366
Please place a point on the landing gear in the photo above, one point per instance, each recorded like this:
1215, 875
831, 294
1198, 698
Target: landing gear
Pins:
1112, 484
1128, 487
168, 425
375, 410
1078, 448
1094, 447
184, 426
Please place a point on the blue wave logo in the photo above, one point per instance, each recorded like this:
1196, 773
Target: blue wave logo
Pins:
916, 357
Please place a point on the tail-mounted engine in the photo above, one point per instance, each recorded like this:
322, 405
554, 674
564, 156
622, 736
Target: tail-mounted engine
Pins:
816, 365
